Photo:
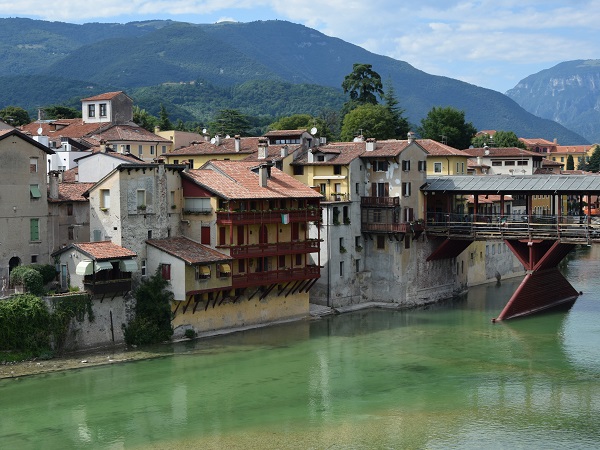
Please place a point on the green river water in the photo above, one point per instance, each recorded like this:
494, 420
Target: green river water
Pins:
435, 378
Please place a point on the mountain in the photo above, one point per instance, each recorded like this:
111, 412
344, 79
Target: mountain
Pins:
195, 70
568, 93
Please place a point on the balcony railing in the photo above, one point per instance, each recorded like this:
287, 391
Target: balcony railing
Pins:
250, 217
405, 227
281, 248
380, 201
276, 276
108, 287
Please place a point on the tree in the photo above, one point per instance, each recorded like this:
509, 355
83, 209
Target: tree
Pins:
448, 125
498, 140
230, 122
594, 162
373, 121
570, 163
152, 322
363, 83
15, 116
61, 112
302, 122
391, 103
143, 118
163, 119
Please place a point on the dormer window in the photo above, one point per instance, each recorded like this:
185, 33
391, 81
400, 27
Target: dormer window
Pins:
380, 166
337, 170
321, 158
102, 109
91, 110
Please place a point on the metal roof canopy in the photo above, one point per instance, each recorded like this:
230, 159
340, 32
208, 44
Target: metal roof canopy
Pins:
517, 184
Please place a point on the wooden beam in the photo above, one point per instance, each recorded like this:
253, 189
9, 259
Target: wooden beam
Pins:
187, 304
268, 290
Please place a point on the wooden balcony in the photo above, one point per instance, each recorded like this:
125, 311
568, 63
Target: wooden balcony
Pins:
253, 217
108, 287
273, 249
405, 227
380, 202
275, 276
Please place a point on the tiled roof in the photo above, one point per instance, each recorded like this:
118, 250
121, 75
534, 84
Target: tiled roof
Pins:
435, 148
227, 145
499, 152
125, 157
71, 192
70, 175
20, 134
273, 153
236, 180
127, 133
278, 133
73, 128
547, 163
103, 250
570, 149
388, 148
189, 251
471, 162
105, 96
536, 141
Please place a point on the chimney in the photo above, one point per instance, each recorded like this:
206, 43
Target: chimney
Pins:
284, 151
371, 144
262, 148
237, 141
217, 139
310, 156
264, 173
555, 140
479, 160
156, 130
102, 146
411, 137
206, 137
54, 178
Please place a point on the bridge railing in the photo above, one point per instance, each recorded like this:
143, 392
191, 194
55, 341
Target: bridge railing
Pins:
490, 226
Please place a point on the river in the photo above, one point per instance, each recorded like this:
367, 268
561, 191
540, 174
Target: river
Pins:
437, 378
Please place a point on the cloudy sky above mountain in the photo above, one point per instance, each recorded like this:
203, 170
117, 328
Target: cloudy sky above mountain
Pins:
493, 44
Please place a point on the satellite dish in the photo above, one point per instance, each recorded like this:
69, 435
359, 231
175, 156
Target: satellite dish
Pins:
39, 131
486, 152
204, 130
313, 130
213, 140
227, 136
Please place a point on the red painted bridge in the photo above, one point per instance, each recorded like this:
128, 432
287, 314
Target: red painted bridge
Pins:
540, 218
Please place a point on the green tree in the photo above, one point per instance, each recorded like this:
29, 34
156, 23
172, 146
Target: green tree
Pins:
372, 121
570, 163
302, 122
594, 162
152, 322
498, 140
391, 103
230, 122
143, 118
447, 125
15, 116
363, 84
61, 112
163, 119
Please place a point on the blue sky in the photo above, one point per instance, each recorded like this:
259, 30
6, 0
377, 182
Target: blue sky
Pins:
493, 44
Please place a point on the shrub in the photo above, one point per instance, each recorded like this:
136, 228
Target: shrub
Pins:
47, 271
189, 333
24, 324
28, 277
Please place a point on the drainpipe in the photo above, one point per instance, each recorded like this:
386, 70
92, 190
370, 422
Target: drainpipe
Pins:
448, 169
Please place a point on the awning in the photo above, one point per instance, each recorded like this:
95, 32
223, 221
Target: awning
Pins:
103, 265
34, 190
128, 265
204, 270
84, 268
224, 268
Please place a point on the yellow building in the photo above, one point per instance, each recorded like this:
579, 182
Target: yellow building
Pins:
443, 159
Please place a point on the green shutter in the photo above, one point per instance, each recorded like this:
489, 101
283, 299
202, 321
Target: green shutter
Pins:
34, 229
34, 190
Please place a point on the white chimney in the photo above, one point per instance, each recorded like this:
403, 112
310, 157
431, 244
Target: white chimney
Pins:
54, 179
237, 142
262, 148
218, 139
411, 137
284, 151
371, 144
311, 157
264, 173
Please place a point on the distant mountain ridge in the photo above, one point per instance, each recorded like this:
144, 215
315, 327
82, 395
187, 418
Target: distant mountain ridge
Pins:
568, 93
164, 59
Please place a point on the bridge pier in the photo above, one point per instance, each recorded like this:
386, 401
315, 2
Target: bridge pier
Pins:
544, 287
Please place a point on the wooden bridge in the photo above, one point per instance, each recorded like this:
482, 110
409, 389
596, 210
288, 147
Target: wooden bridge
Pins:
456, 213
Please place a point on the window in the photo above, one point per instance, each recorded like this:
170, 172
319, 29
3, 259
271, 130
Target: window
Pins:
33, 165
141, 198
342, 248
406, 188
462, 167
357, 265
104, 198
281, 263
298, 259
34, 229
422, 166
437, 167
457, 167
380, 190
34, 259
341, 268
71, 233
345, 215
164, 149
152, 149
191, 163
91, 110
149, 234
380, 166
381, 242
205, 235
320, 158
298, 170
405, 165
102, 109
140, 150
356, 187
224, 270
34, 191
496, 163
337, 170
509, 163
143, 267
357, 241
323, 188
202, 272
524, 163
242, 266
165, 271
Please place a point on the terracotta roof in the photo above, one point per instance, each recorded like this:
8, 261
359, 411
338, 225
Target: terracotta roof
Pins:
435, 148
127, 133
570, 149
277, 133
345, 152
471, 162
73, 128
105, 96
18, 133
227, 146
189, 251
236, 180
547, 163
388, 148
71, 192
536, 141
70, 175
499, 152
103, 250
